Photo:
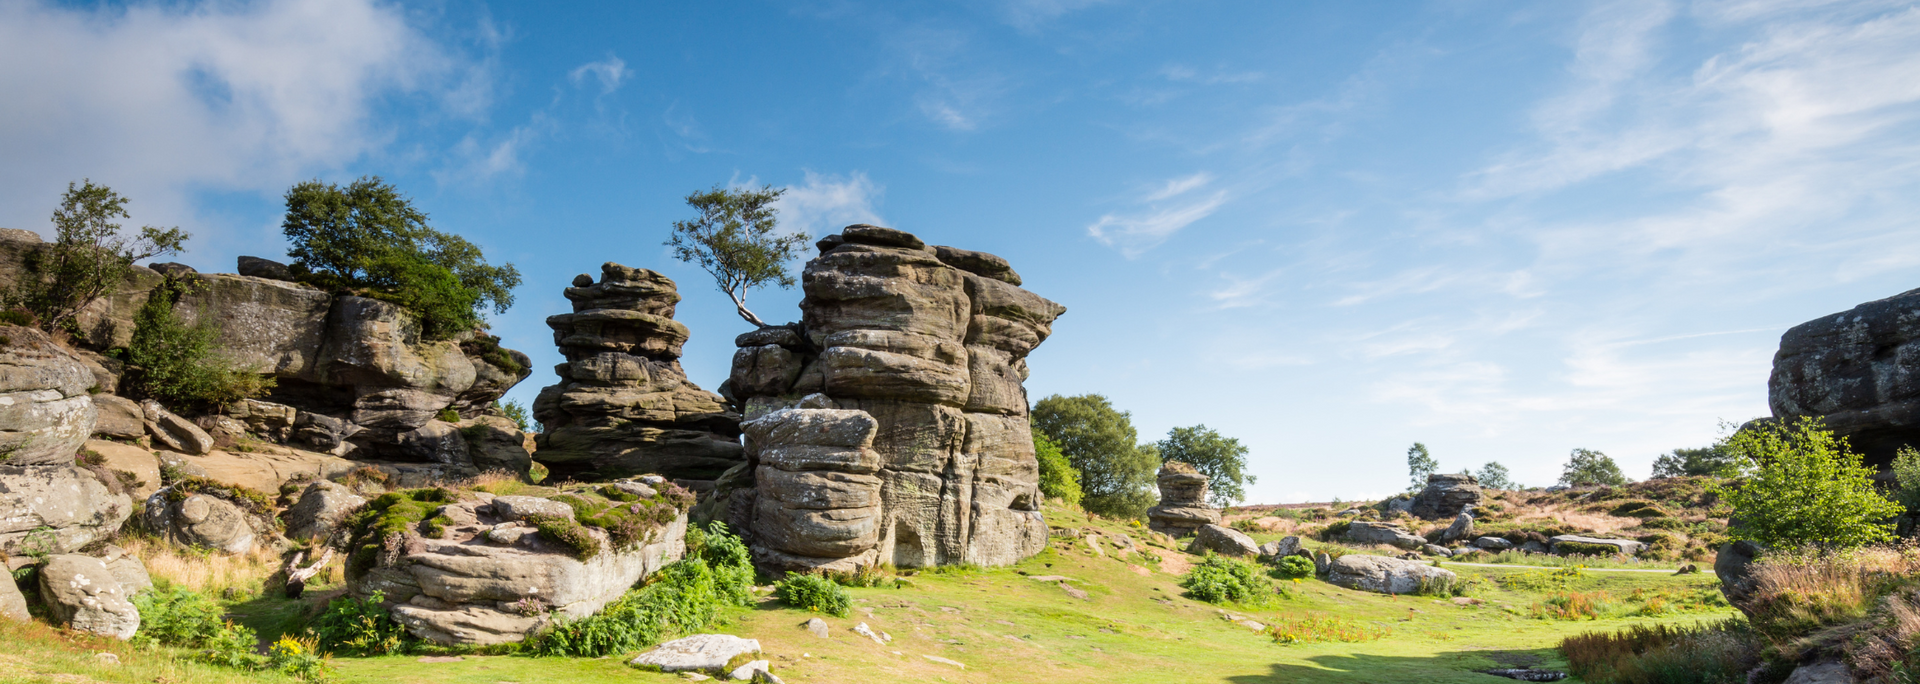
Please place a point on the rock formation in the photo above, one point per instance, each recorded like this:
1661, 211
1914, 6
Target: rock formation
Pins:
1183, 501
1365, 532
353, 377
1446, 495
1859, 370
623, 405
1384, 575
1225, 541
48, 504
485, 575
210, 517
82, 594
930, 345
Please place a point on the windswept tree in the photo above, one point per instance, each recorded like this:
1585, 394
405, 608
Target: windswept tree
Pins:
1116, 472
1420, 464
736, 239
1588, 468
88, 258
1224, 459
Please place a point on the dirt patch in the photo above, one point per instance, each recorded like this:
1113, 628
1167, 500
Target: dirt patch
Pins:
1172, 562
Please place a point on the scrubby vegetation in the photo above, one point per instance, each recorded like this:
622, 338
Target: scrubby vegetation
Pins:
1221, 579
1707, 653
1058, 479
1807, 488
814, 593
359, 627
88, 257
177, 364
682, 598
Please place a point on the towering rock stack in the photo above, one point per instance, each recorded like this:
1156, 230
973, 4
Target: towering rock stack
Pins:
930, 344
1183, 501
623, 405
1859, 371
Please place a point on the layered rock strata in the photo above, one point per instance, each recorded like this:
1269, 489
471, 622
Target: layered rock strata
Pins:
1446, 495
1183, 505
930, 345
48, 503
623, 405
1859, 371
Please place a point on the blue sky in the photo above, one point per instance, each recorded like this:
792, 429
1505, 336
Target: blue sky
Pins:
1505, 229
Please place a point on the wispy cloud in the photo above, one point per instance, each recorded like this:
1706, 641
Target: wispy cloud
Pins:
823, 203
609, 72
1165, 209
1030, 15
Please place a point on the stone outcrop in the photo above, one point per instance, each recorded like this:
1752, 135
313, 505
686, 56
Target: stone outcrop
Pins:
1183, 506
623, 405
490, 578
1460, 530
215, 520
1566, 543
1225, 541
354, 371
317, 514
56, 509
930, 344
1445, 496
46, 412
13, 604
1859, 370
83, 595
819, 503
1384, 575
1365, 532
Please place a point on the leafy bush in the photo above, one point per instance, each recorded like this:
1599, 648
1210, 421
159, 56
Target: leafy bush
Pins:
177, 364
1058, 479
182, 618
1294, 567
1807, 488
359, 627
683, 597
1221, 579
1719, 653
1586, 467
814, 593
516, 413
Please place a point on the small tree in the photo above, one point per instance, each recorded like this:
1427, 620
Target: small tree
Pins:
1420, 464
1906, 477
1589, 468
177, 364
88, 256
1116, 473
1494, 476
1058, 479
1712, 461
1807, 488
734, 240
1218, 457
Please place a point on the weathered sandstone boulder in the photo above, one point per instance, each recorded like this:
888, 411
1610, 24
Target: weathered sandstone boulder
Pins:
1733, 566
83, 595
45, 410
1384, 575
819, 504
1445, 496
211, 517
1225, 541
709, 653
489, 577
13, 604
141, 466
623, 405
1183, 507
1460, 530
1859, 370
174, 433
317, 514
56, 509
933, 351
1273, 551
118, 417
1493, 543
1365, 532
1568, 543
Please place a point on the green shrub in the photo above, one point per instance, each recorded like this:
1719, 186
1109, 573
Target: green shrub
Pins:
386, 516
1058, 479
1220, 579
178, 364
182, 618
359, 627
684, 597
814, 593
516, 413
1294, 567
1569, 548
1808, 488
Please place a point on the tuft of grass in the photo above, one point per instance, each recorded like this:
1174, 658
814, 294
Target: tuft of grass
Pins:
1320, 628
203, 571
1573, 605
1717, 653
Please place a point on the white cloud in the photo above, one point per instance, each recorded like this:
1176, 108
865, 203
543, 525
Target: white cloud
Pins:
1166, 209
825, 203
162, 100
610, 72
1029, 15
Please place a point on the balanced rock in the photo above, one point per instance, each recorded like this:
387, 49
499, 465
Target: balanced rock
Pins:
933, 350
1225, 541
1859, 371
45, 409
1183, 507
1366, 532
83, 595
1445, 496
623, 405
1384, 575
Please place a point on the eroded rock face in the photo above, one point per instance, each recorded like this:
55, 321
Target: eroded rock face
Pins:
46, 412
490, 578
1382, 574
73, 506
316, 515
1859, 370
623, 405
82, 594
1365, 532
930, 344
1446, 495
208, 521
1183, 507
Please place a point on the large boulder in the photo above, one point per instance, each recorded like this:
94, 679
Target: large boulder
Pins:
56, 509
1576, 544
1183, 507
1384, 575
83, 595
1225, 541
213, 518
317, 514
1733, 566
1859, 371
623, 405
1366, 532
709, 653
119, 417
489, 578
933, 350
46, 411
173, 433
495, 443
1445, 496
13, 604
1460, 530
141, 467
819, 498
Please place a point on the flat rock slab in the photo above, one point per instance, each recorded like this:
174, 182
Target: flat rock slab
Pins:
709, 652
944, 661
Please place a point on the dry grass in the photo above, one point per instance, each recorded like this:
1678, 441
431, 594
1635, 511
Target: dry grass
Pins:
1859, 603
1663, 654
213, 574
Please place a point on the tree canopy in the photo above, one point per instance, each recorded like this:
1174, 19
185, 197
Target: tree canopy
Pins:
1494, 476
1420, 464
88, 257
1806, 488
367, 236
1714, 461
1058, 479
1586, 468
1116, 472
736, 239
1218, 457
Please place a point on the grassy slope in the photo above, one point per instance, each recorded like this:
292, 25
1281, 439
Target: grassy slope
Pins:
1133, 627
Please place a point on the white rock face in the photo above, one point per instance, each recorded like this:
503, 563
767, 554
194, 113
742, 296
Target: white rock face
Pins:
46, 412
67, 500
709, 652
82, 594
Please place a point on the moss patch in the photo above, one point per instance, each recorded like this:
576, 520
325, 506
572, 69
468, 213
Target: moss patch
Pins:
391, 514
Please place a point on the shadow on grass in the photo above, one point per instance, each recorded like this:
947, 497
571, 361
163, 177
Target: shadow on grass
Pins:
1451, 666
